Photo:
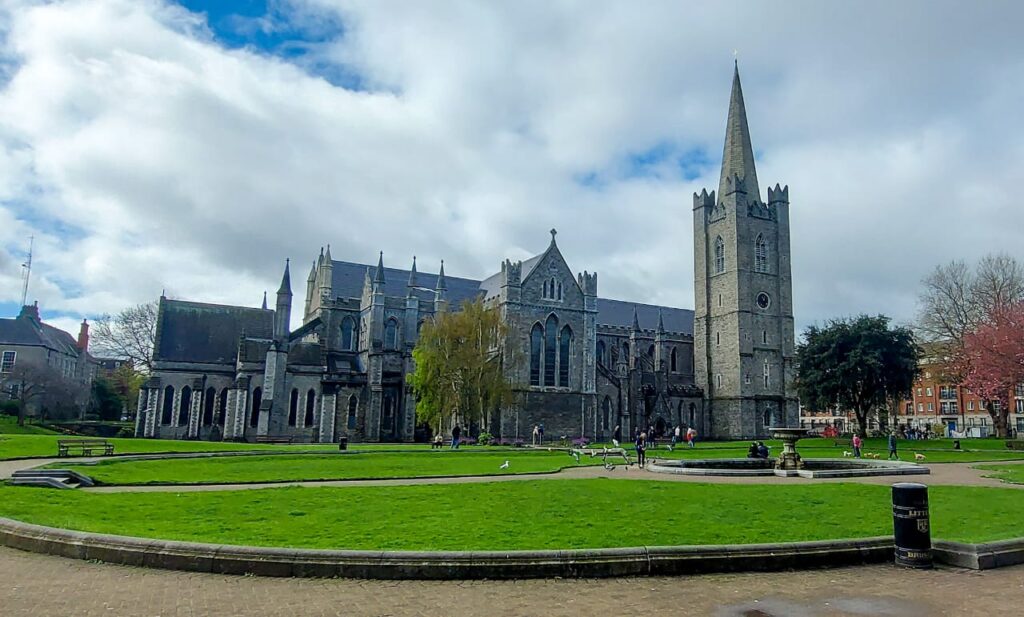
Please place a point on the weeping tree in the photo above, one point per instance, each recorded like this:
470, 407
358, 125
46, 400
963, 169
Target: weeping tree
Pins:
462, 360
860, 364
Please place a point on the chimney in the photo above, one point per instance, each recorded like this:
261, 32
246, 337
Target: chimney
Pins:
83, 336
30, 311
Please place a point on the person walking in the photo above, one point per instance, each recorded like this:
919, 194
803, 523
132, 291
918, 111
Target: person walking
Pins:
617, 436
856, 445
536, 435
541, 427
892, 447
691, 436
456, 435
641, 449
676, 435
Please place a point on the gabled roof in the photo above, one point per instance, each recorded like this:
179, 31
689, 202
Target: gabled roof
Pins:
347, 282
23, 330
208, 333
620, 313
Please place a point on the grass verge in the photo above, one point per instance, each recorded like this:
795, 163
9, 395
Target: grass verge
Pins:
548, 514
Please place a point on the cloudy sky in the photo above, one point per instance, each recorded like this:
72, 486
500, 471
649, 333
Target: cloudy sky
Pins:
192, 146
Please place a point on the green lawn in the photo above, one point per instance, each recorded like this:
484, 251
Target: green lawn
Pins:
1013, 474
9, 426
278, 468
516, 515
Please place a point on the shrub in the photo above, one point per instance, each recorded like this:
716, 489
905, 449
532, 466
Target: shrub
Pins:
9, 408
485, 439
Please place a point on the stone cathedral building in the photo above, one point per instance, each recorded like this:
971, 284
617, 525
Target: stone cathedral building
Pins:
591, 363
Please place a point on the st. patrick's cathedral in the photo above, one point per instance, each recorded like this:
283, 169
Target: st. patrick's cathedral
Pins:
591, 363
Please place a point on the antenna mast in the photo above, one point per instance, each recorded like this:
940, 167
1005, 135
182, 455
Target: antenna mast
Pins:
27, 272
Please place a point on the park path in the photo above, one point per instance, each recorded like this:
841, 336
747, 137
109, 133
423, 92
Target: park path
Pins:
945, 474
36, 584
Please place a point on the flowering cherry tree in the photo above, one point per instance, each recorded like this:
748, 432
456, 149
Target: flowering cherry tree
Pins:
992, 361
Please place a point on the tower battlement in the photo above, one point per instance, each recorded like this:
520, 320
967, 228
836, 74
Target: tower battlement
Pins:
778, 195
703, 199
587, 282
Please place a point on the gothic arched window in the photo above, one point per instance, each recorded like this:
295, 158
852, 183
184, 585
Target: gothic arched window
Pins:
546, 295
625, 352
353, 404
564, 347
391, 334
310, 406
208, 403
186, 402
766, 417
348, 334
168, 409
293, 407
719, 255
550, 349
600, 354
536, 345
254, 414
672, 361
559, 290
222, 407
760, 254
767, 373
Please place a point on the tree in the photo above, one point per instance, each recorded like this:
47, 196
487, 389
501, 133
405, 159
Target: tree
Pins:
859, 364
129, 335
956, 299
106, 402
461, 361
991, 361
43, 387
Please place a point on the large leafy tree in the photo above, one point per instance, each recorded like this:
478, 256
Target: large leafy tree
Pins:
461, 360
859, 364
991, 361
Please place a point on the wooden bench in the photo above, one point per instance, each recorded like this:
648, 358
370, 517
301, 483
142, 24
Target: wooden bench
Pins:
269, 439
84, 447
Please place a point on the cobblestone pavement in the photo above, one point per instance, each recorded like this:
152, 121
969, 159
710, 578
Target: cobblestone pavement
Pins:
42, 585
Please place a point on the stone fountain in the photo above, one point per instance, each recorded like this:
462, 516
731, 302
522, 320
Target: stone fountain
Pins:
789, 460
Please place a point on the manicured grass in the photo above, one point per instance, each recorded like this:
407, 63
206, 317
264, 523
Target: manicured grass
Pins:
1013, 474
516, 515
9, 426
280, 468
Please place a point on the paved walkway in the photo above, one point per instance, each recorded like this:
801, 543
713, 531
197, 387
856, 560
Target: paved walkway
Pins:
955, 474
32, 585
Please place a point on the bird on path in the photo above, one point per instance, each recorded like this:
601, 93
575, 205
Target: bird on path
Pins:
576, 455
504, 465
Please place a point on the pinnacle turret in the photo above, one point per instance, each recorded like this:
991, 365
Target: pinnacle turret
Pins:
286, 281
412, 273
442, 284
636, 320
738, 154
264, 307
378, 278
661, 322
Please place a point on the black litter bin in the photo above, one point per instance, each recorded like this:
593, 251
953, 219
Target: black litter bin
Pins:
911, 525
343, 443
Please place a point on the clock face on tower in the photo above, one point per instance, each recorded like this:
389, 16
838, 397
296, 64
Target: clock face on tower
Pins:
763, 300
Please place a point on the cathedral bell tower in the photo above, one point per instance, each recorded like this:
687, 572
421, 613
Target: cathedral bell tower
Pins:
743, 323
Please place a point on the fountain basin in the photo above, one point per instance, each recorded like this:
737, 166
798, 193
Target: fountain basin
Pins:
810, 467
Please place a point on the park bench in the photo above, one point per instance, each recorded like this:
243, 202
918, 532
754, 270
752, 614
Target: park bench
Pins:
604, 453
84, 447
269, 439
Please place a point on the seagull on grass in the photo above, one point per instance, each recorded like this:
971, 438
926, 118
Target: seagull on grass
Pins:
504, 465
576, 455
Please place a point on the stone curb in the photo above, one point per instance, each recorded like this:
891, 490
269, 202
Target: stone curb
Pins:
453, 565
443, 565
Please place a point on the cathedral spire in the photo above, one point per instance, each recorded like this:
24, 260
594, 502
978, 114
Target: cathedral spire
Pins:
738, 155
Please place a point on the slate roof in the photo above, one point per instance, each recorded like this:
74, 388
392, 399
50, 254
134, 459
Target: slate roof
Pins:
348, 280
25, 331
199, 332
620, 313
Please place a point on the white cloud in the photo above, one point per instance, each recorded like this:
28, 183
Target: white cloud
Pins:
144, 155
